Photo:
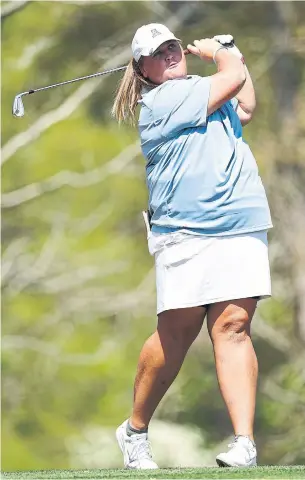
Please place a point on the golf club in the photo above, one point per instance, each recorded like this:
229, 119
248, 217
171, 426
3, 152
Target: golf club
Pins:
18, 107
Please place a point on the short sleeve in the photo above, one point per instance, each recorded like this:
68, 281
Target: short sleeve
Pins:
234, 103
181, 104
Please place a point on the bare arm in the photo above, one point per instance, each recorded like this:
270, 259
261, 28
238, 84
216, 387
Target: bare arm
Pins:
246, 95
229, 79
246, 100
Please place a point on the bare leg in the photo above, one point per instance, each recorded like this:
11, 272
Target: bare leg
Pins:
236, 363
161, 359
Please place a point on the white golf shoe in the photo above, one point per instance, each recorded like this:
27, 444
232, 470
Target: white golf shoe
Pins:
135, 448
242, 453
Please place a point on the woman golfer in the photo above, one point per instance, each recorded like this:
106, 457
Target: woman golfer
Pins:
209, 221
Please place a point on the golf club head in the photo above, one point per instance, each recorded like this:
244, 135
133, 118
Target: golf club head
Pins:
18, 108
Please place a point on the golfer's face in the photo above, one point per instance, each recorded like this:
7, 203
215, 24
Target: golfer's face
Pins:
166, 63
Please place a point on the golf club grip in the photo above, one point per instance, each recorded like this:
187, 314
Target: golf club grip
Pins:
228, 45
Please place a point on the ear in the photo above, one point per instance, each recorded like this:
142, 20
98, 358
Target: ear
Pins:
142, 68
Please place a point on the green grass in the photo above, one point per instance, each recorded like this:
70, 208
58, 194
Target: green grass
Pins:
185, 473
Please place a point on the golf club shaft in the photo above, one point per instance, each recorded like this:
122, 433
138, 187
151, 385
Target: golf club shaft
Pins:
18, 108
116, 69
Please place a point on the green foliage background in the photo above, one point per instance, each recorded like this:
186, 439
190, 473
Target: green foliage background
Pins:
78, 294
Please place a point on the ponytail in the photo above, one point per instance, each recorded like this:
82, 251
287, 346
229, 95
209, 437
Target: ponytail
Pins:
129, 93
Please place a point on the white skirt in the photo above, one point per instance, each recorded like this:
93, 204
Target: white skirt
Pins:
193, 270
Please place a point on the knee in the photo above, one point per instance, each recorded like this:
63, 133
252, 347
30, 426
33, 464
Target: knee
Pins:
232, 326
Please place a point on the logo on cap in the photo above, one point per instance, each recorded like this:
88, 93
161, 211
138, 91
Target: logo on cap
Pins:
155, 33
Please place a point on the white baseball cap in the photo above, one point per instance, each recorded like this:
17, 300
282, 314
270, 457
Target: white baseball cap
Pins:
148, 38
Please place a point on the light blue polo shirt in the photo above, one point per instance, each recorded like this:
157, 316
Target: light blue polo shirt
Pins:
201, 174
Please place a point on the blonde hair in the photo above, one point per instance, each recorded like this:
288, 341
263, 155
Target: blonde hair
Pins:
129, 92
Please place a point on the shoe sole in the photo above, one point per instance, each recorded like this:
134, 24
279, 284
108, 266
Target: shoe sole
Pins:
223, 464
220, 463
